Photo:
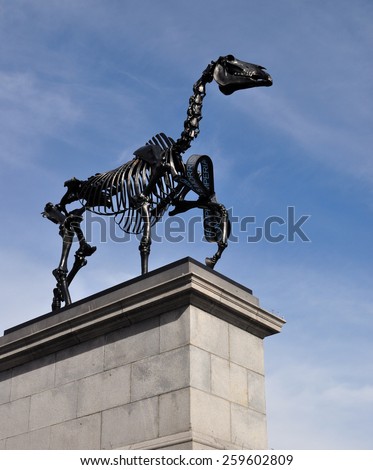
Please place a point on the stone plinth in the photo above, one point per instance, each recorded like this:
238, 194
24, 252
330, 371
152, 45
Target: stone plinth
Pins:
170, 360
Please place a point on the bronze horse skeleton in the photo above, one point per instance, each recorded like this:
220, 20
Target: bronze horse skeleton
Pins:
139, 192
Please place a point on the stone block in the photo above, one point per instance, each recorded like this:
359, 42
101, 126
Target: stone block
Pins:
5, 385
33, 377
229, 380
83, 433
210, 415
80, 361
246, 349
131, 423
103, 391
54, 406
132, 343
14, 417
249, 428
174, 412
174, 329
34, 440
160, 374
256, 385
200, 369
209, 332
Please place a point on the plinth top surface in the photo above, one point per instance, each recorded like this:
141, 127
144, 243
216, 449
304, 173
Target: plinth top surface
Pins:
178, 285
185, 264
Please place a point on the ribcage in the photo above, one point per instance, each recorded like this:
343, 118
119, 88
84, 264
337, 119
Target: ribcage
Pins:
114, 192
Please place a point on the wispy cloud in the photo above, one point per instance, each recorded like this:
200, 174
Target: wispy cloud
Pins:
311, 408
327, 141
31, 113
83, 84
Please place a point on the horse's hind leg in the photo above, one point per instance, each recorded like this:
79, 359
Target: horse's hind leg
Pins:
61, 292
84, 250
146, 237
69, 226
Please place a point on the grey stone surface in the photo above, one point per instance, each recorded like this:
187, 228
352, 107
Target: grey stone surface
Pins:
256, 387
210, 415
54, 406
83, 433
246, 349
198, 446
160, 374
229, 381
14, 417
249, 428
182, 446
174, 329
34, 440
103, 391
179, 285
209, 332
133, 343
33, 377
5, 385
127, 424
164, 442
174, 412
172, 360
200, 369
80, 361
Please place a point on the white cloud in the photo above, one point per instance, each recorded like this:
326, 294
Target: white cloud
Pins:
32, 111
79, 72
310, 407
330, 143
349, 395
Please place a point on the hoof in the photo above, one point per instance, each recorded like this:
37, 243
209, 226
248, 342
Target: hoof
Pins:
87, 250
210, 263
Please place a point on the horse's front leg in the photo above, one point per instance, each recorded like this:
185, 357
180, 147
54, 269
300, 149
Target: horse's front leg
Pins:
146, 240
216, 223
217, 228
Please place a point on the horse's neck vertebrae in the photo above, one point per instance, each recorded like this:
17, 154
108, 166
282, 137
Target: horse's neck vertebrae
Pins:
194, 112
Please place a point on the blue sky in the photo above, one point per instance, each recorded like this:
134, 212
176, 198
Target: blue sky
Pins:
85, 83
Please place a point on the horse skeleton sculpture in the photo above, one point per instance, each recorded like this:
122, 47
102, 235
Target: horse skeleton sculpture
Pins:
139, 192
